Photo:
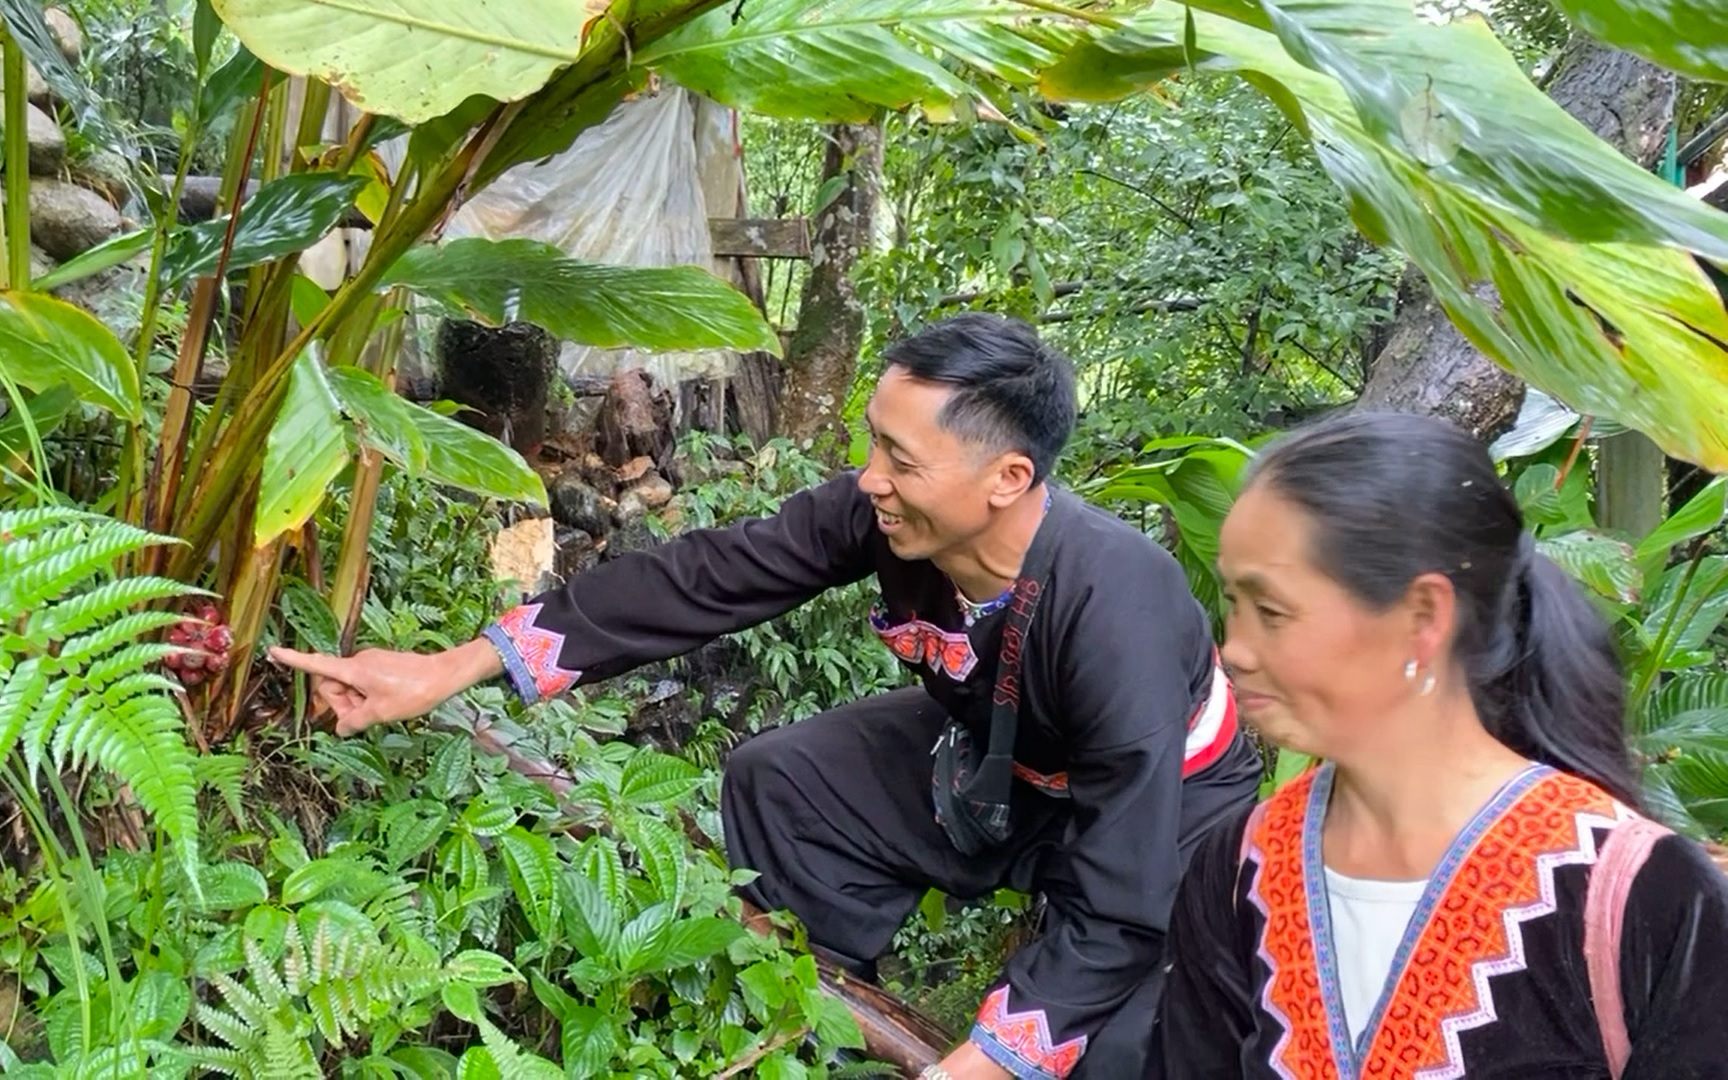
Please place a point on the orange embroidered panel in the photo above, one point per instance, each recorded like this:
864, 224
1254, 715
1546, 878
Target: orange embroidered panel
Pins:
1476, 930
1473, 932
1292, 993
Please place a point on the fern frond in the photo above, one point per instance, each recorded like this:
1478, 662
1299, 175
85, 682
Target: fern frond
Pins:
39, 726
224, 774
273, 990
231, 1029
141, 656
20, 695
77, 650
142, 741
107, 600
50, 565
134, 685
223, 1060
17, 524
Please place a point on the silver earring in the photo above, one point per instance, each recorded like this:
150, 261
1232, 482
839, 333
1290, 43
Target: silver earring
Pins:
1427, 685
1410, 671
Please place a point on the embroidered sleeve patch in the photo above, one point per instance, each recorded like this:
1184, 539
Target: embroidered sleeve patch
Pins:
530, 654
1021, 1042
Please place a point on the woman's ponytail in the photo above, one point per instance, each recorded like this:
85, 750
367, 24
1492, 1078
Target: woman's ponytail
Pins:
1559, 695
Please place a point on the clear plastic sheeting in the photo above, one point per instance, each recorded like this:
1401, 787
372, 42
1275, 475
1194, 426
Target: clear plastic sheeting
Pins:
627, 192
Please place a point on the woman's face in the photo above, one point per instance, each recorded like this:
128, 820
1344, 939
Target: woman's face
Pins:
1314, 669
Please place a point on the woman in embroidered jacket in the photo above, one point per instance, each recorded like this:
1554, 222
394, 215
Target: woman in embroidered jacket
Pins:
1415, 907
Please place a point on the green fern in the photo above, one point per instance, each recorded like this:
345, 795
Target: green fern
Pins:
80, 686
334, 985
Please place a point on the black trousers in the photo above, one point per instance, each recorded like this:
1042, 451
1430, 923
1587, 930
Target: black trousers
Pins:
834, 813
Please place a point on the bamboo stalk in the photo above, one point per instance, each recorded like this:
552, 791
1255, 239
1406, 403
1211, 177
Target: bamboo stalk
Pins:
17, 156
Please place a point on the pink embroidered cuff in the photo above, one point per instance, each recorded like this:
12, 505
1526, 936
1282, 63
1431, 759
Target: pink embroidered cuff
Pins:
530, 654
1021, 1042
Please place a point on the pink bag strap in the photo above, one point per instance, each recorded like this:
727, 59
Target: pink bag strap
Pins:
1623, 854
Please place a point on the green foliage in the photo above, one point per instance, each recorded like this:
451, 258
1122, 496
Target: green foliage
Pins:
1184, 249
80, 686
820, 655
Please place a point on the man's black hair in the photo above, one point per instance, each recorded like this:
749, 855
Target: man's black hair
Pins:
1011, 390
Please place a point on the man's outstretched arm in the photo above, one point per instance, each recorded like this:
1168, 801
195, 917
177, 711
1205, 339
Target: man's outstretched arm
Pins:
645, 606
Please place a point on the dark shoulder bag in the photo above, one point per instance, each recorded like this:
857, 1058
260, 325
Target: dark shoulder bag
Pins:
972, 788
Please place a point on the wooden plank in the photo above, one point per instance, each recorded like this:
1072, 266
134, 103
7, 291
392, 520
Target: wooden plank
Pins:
760, 238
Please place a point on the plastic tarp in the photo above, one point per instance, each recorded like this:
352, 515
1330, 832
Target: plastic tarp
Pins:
628, 191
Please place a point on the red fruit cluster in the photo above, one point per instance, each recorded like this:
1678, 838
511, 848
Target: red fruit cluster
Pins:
211, 639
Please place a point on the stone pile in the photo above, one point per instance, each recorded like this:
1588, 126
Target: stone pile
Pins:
68, 216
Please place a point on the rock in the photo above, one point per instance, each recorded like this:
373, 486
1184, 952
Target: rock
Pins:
47, 143
36, 88
654, 490
634, 421
66, 33
577, 505
635, 469
67, 220
107, 173
40, 263
574, 553
631, 509
525, 554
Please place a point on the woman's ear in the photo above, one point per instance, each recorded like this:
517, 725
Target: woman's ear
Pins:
1431, 605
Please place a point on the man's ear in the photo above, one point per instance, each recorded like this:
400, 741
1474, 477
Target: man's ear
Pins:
1011, 477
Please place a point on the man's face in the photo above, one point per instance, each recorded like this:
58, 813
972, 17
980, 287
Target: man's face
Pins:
933, 492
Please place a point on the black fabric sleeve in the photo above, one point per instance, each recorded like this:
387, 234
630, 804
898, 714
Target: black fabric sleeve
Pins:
1674, 965
1206, 1013
1132, 648
663, 602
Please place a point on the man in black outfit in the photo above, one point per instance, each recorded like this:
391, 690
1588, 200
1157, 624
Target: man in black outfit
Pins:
1125, 746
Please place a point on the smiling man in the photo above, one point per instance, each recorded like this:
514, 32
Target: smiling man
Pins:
1024, 613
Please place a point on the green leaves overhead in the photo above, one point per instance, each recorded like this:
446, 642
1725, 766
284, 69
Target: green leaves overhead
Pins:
1448, 154
415, 59
48, 342
655, 308
1688, 36
845, 60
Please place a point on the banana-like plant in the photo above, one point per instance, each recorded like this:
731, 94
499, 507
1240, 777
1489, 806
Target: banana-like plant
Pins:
1443, 148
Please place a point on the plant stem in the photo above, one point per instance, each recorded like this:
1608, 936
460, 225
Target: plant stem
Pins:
17, 163
1658, 655
171, 459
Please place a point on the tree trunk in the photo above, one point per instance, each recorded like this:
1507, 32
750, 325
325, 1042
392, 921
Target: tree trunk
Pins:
1427, 365
823, 355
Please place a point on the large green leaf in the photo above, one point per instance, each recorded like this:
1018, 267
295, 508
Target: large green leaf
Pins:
1602, 563
657, 308
382, 419
47, 410
1447, 153
845, 60
415, 59
47, 342
1688, 36
306, 450
474, 461
285, 216
1704, 512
